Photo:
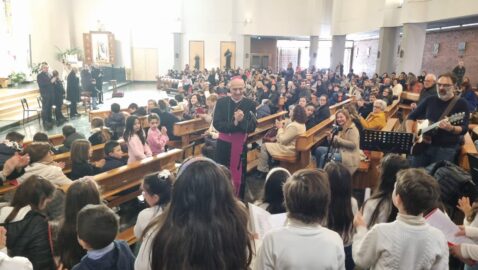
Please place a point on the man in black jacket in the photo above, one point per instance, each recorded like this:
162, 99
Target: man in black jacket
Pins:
45, 83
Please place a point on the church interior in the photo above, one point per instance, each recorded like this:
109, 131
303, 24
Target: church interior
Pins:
273, 134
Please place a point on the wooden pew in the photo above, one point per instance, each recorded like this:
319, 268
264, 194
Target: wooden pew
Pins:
467, 148
406, 108
304, 144
98, 153
392, 109
368, 174
190, 130
106, 113
113, 182
334, 108
263, 125
55, 140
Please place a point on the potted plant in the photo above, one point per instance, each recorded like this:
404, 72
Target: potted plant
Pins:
16, 78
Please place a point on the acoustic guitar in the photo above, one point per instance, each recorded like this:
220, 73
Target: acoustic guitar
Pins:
424, 129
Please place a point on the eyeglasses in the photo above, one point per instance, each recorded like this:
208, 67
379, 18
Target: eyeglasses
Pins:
446, 86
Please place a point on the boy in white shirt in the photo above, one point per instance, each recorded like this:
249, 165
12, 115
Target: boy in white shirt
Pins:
303, 243
408, 242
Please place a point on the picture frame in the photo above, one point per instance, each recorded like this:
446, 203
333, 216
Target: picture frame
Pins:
99, 47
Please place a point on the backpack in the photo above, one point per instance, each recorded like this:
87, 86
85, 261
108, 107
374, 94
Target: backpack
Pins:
454, 182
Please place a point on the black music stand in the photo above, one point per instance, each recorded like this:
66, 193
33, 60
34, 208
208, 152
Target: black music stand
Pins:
386, 141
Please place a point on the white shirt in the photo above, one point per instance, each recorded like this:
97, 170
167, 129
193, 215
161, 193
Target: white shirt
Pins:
143, 261
407, 243
17, 263
370, 205
300, 246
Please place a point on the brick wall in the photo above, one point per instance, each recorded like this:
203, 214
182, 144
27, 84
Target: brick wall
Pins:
363, 62
447, 57
265, 46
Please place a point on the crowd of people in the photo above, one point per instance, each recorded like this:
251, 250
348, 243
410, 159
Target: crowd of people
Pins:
195, 218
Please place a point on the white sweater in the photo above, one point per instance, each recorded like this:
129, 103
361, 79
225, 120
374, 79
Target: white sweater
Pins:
470, 251
17, 263
52, 173
144, 218
407, 243
300, 246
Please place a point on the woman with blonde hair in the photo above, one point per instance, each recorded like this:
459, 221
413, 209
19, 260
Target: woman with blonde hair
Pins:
345, 145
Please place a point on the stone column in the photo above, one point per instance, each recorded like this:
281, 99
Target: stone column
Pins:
313, 50
178, 51
389, 39
412, 47
337, 51
247, 52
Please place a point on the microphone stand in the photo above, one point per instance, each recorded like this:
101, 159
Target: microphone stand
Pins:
243, 158
327, 157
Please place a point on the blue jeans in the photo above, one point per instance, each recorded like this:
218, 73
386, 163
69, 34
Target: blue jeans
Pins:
474, 267
94, 103
320, 158
434, 154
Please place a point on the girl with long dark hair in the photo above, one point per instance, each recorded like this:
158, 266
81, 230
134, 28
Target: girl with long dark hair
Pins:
134, 136
379, 208
81, 193
342, 207
204, 227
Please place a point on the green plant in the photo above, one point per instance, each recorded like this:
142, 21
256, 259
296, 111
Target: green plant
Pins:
36, 68
61, 56
17, 77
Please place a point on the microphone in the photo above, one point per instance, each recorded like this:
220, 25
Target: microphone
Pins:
253, 117
336, 129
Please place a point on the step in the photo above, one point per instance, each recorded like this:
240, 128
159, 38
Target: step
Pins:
17, 106
18, 93
30, 97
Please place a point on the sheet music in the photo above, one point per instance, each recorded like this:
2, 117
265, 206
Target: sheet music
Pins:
439, 220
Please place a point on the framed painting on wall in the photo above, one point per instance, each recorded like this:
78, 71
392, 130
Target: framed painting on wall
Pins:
228, 55
99, 48
196, 54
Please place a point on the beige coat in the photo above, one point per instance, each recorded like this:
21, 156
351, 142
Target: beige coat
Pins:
286, 137
348, 143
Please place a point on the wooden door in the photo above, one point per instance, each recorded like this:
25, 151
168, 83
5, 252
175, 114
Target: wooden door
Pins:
145, 64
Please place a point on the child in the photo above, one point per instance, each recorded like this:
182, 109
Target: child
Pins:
114, 156
80, 165
157, 194
342, 207
273, 198
408, 242
27, 227
138, 149
156, 139
303, 243
42, 164
7, 263
43, 137
80, 193
70, 134
116, 121
99, 133
97, 227
8, 148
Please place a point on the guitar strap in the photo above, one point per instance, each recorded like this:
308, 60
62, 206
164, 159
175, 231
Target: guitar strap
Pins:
449, 107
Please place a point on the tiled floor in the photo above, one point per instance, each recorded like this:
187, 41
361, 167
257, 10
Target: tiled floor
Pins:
139, 93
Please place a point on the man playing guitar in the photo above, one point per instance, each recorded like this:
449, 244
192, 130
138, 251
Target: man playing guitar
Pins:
443, 143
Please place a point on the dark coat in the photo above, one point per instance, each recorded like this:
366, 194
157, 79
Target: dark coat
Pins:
87, 83
59, 92
69, 141
45, 85
82, 169
120, 258
96, 138
97, 75
28, 238
73, 88
113, 163
320, 114
116, 122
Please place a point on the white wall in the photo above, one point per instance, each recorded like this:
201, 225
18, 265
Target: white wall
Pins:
353, 16
29, 17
